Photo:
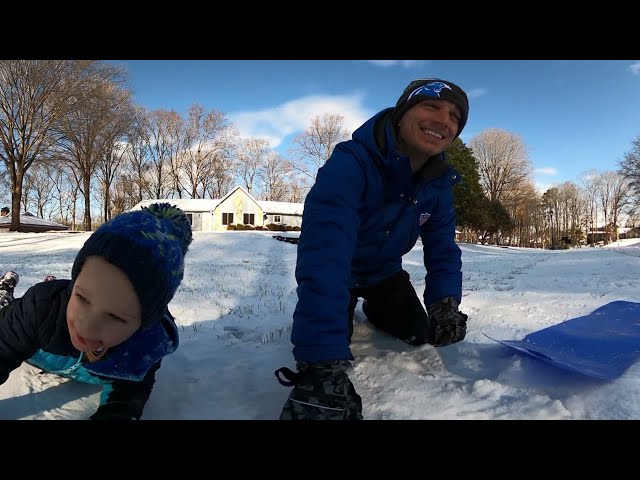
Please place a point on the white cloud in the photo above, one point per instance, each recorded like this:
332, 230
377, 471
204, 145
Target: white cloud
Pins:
276, 123
546, 171
476, 92
395, 63
635, 68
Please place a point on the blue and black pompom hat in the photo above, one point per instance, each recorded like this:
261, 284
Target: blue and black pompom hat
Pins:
149, 246
419, 90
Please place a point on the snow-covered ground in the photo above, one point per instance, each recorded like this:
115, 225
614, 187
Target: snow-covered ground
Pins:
235, 306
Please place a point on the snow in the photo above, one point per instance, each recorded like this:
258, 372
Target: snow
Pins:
234, 311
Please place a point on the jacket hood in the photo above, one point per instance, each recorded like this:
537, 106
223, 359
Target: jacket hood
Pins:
378, 136
374, 136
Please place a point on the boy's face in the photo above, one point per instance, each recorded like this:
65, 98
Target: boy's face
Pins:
430, 126
103, 310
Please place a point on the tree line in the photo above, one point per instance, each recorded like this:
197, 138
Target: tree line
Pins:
72, 137
498, 202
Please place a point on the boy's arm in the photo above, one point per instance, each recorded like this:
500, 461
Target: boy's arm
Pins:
18, 333
125, 399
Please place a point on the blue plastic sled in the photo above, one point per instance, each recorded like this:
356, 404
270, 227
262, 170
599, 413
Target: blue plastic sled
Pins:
602, 344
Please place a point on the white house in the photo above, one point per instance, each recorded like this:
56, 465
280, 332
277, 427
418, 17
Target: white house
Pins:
237, 206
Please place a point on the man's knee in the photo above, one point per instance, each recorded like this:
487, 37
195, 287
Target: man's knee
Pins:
393, 306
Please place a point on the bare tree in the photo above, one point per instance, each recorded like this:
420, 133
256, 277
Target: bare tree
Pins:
34, 95
161, 146
614, 196
604, 200
65, 191
552, 209
630, 167
138, 153
75, 179
5, 185
209, 139
564, 207
523, 211
109, 164
274, 175
176, 136
590, 187
573, 208
634, 219
251, 157
297, 188
125, 191
39, 183
315, 145
102, 114
503, 162
222, 178
27, 188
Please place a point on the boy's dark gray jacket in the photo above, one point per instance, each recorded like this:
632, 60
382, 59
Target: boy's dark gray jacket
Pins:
34, 329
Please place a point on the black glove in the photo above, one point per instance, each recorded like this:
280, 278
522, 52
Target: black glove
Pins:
447, 324
321, 391
113, 411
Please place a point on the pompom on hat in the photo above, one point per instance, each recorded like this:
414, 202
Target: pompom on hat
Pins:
424, 88
149, 246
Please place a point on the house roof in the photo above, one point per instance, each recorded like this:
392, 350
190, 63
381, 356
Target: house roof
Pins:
245, 192
30, 223
186, 204
282, 208
209, 205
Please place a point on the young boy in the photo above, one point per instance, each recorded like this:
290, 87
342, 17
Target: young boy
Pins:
109, 324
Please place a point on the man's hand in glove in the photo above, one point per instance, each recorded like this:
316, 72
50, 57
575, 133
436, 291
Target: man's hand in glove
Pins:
447, 324
321, 391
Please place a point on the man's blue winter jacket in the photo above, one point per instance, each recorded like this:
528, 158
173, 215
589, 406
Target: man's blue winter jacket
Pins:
364, 212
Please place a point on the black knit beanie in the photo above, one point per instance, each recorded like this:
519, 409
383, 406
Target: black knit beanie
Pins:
424, 88
149, 246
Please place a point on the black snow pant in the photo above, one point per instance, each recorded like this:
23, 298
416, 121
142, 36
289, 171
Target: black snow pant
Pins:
393, 306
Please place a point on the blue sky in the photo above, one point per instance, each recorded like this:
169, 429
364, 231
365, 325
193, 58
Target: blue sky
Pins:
573, 115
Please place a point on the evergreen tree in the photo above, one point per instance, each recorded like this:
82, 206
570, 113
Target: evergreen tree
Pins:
467, 194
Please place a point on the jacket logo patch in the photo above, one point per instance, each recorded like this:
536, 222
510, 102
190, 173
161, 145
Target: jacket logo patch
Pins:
424, 217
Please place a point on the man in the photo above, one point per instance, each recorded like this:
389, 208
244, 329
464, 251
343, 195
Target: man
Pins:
372, 199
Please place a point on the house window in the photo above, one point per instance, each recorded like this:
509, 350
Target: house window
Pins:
277, 219
249, 219
190, 217
227, 218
